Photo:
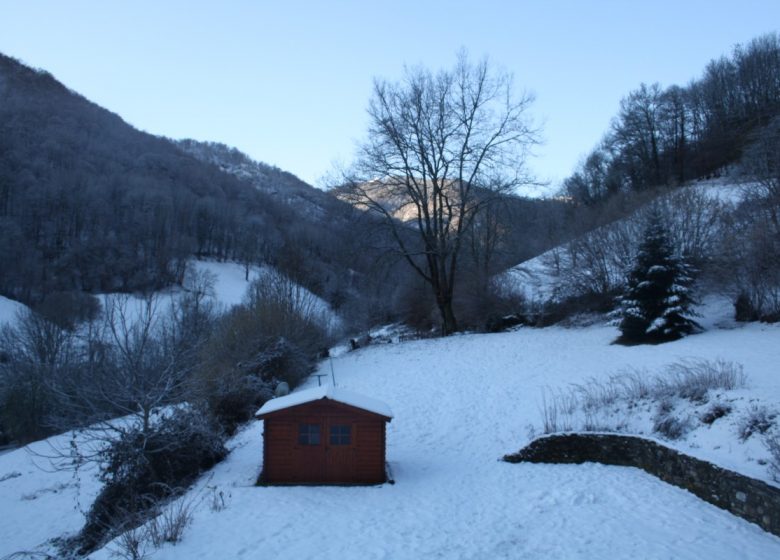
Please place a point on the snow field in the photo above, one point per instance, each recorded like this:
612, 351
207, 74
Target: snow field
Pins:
38, 502
460, 404
230, 288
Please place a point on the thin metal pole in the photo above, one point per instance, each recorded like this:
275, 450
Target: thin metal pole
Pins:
332, 373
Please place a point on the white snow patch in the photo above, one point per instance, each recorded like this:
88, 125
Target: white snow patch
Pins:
9, 310
725, 189
533, 279
230, 279
230, 289
39, 501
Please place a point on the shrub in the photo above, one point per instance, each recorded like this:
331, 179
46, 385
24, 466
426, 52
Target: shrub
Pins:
693, 379
276, 335
744, 309
281, 309
670, 426
235, 403
557, 412
717, 410
35, 353
757, 420
68, 309
132, 544
749, 256
142, 468
686, 379
218, 501
773, 446
169, 524
282, 360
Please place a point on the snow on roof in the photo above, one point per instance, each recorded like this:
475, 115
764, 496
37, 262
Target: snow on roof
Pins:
326, 392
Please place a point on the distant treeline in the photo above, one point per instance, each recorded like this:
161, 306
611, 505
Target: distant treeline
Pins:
663, 137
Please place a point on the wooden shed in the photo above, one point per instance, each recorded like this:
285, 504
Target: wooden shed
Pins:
325, 435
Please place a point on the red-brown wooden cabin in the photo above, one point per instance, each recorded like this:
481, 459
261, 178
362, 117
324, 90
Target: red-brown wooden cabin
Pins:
326, 435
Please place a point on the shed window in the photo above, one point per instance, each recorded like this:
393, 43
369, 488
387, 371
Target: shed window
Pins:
308, 434
340, 435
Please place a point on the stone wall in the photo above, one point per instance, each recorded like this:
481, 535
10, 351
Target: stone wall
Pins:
745, 497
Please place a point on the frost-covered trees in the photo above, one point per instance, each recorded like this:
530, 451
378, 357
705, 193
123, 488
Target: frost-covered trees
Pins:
749, 254
274, 336
656, 305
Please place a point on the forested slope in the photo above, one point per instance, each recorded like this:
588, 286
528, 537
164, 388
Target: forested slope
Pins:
88, 203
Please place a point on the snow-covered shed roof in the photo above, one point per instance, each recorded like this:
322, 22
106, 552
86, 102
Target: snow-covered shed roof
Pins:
329, 392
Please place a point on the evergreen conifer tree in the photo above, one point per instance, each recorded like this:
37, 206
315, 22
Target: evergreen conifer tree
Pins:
657, 303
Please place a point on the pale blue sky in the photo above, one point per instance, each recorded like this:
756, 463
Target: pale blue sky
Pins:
288, 82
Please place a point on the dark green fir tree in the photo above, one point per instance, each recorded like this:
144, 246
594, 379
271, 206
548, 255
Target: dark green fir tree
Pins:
657, 303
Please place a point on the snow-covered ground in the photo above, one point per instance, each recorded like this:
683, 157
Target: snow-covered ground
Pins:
230, 279
229, 282
8, 310
459, 404
533, 279
37, 501
230, 285
726, 188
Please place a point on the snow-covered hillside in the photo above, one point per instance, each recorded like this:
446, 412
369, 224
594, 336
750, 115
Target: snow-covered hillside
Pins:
8, 310
230, 285
601, 256
459, 404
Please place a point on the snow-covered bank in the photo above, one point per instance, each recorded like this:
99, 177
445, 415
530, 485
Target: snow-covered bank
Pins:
8, 310
39, 502
231, 284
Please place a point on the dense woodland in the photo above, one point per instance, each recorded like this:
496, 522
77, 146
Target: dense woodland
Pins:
87, 203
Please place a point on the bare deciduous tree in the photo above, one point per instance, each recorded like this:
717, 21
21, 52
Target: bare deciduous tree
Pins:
761, 163
440, 147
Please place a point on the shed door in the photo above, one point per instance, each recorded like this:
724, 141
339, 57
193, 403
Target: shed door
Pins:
310, 449
340, 463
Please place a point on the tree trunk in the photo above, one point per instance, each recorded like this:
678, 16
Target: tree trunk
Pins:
449, 325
